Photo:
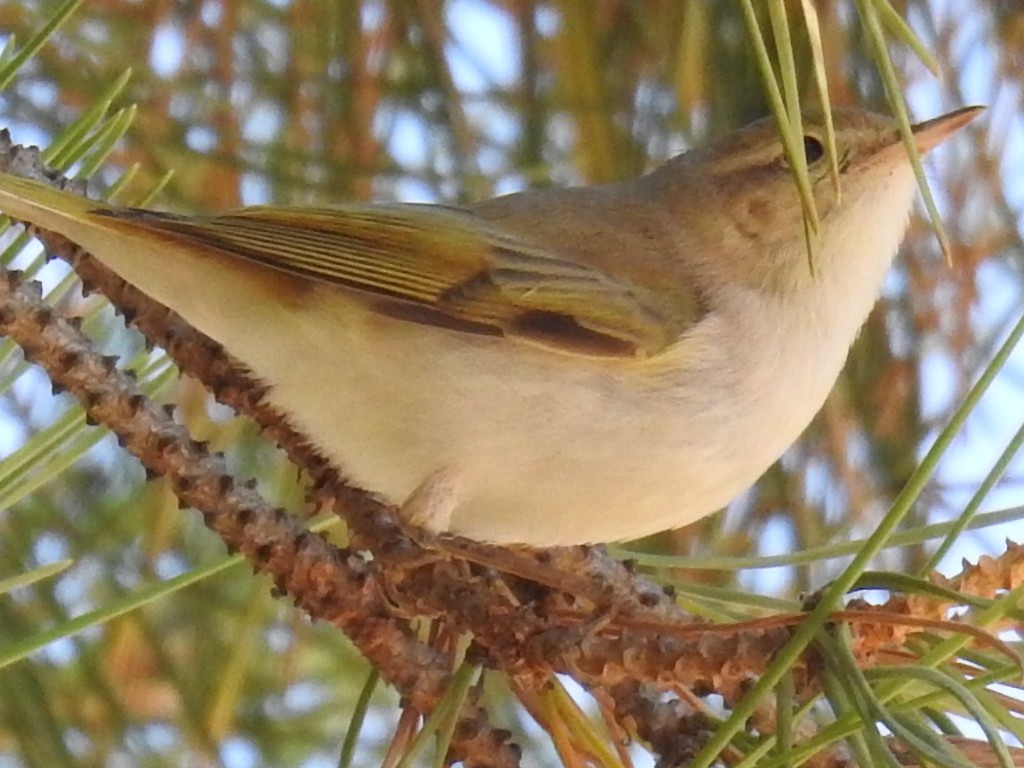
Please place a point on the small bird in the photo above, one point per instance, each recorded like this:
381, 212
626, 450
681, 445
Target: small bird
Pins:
551, 367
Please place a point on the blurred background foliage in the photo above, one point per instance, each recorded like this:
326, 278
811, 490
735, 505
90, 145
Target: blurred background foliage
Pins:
294, 101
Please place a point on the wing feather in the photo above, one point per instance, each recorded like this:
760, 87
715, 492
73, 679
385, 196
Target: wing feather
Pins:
459, 270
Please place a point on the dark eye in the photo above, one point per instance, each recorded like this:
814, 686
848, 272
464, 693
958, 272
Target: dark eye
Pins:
813, 150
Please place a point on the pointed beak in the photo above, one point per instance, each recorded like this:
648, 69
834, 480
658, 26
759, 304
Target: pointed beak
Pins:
931, 133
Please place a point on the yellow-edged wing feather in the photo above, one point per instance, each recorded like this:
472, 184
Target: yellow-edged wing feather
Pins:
430, 264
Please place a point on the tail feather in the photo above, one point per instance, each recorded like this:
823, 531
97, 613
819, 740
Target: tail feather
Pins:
176, 277
54, 210
87, 223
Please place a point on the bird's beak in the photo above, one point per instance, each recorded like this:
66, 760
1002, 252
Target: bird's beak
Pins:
933, 132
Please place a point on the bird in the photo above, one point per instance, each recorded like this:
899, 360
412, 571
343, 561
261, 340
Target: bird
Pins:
550, 367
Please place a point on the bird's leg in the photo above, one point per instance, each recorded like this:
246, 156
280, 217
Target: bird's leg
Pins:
430, 506
426, 518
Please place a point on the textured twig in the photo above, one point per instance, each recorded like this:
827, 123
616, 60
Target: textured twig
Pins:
328, 583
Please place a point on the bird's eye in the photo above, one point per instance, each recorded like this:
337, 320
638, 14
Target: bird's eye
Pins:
813, 150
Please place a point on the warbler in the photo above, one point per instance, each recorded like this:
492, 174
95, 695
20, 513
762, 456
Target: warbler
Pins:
550, 367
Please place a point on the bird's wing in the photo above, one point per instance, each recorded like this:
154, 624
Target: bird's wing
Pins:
445, 267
